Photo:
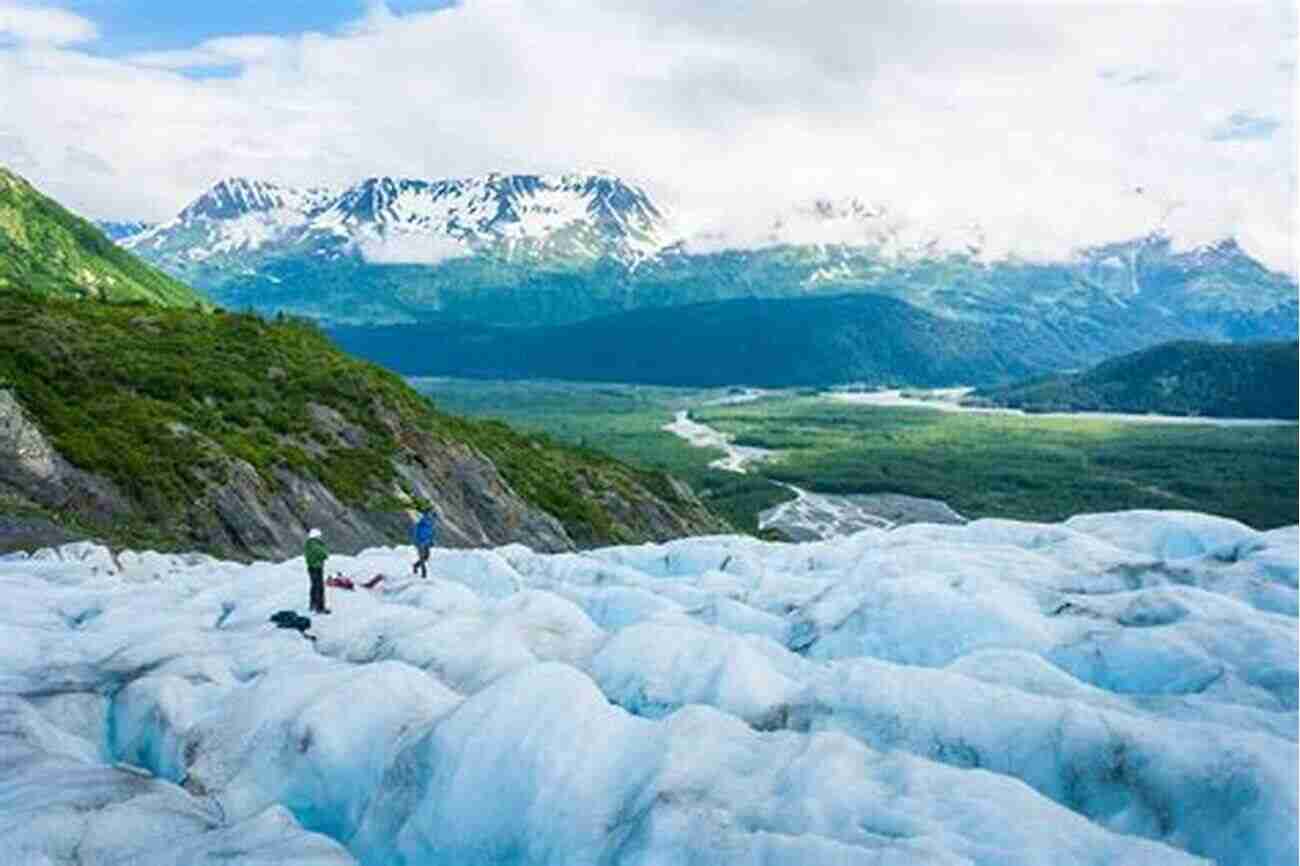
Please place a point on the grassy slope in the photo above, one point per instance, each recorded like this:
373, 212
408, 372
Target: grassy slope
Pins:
622, 420
106, 382
50, 251
1024, 467
1257, 380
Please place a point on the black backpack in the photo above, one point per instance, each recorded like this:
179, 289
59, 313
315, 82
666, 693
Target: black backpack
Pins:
291, 619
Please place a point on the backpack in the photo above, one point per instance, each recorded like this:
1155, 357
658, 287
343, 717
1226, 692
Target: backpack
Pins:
291, 619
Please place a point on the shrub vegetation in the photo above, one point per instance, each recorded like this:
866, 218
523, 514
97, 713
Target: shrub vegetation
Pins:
153, 398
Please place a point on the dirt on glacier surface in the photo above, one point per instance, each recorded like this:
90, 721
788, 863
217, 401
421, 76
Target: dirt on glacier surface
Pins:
1118, 688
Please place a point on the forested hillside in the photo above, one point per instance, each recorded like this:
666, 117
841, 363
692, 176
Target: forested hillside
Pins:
1224, 380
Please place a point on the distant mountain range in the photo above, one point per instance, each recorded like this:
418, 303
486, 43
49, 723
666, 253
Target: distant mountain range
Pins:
530, 250
1251, 380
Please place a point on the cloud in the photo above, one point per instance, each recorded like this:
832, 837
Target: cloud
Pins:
1129, 77
225, 51
84, 160
43, 26
15, 155
411, 249
1035, 121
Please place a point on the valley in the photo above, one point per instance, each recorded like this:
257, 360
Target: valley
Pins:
621, 420
980, 463
1021, 466
809, 516
960, 400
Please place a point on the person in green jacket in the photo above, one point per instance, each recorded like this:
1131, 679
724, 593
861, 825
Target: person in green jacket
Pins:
316, 553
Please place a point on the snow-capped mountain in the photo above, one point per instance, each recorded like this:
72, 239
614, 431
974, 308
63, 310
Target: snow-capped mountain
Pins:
522, 249
241, 222
235, 198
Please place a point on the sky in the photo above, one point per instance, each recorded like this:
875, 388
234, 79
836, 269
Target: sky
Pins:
1051, 126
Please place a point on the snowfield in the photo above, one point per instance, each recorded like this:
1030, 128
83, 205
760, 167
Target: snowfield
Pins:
1115, 689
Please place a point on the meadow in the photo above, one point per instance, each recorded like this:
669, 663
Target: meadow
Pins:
1019, 467
1026, 468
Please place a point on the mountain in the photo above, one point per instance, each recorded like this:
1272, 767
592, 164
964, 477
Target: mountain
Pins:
1250, 380
527, 250
224, 432
50, 251
241, 223
763, 342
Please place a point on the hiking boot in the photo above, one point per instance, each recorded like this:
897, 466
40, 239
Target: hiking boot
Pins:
325, 610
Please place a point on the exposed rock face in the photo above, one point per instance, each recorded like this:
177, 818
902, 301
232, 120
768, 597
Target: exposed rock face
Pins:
31, 533
648, 516
243, 514
477, 509
33, 471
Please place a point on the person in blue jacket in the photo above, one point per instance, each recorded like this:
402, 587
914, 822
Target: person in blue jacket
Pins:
423, 535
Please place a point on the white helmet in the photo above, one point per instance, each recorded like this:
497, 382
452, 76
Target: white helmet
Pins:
315, 533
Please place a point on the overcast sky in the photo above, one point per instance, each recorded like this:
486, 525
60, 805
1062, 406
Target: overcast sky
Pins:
1050, 125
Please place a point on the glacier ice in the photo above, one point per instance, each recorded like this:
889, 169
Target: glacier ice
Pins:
1117, 688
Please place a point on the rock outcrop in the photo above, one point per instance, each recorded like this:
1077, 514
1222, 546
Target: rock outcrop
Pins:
241, 513
34, 473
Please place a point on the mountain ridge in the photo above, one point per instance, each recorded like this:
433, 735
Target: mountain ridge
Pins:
1246, 380
858, 338
475, 212
549, 250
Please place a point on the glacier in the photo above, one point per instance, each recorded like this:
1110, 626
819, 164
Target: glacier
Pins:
1114, 689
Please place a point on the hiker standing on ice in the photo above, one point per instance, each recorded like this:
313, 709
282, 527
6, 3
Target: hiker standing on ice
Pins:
315, 552
422, 536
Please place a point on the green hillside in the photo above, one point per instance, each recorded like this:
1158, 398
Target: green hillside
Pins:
213, 430
50, 251
1249, 380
